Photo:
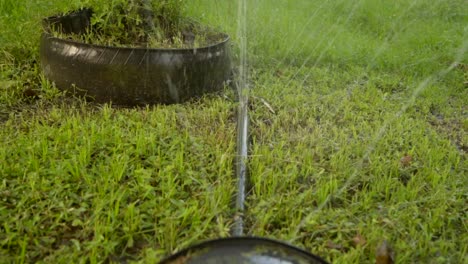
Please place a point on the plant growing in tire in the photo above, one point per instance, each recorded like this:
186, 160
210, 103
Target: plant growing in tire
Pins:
131, 52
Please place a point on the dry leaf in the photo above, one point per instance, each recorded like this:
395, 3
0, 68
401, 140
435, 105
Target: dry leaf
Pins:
384, 254
406, 160
332, 245
359, 240
279, 73
30, 93
265, 103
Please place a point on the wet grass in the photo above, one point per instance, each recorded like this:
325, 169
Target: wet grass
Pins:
358, 134
349, 161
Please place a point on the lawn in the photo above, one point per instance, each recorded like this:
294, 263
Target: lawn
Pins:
358, 135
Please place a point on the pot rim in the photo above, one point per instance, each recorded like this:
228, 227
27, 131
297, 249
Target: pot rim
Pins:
253, 239
83, 44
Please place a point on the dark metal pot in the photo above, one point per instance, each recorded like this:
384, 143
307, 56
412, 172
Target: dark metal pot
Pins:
245, 250
129, 76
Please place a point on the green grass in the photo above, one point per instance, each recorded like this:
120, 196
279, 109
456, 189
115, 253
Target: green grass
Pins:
342, 91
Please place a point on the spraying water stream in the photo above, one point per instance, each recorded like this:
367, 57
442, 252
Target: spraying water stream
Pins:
242, 123
243, 93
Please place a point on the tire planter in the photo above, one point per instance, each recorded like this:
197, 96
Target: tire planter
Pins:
129, 76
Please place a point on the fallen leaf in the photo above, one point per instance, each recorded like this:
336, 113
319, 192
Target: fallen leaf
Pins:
384, 254
30, 93
406, 160
359, 240
332, 245
268, 106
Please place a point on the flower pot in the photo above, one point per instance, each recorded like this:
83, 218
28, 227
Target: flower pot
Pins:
129, 76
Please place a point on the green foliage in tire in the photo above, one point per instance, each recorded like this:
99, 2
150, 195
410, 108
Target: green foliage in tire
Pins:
143, 23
